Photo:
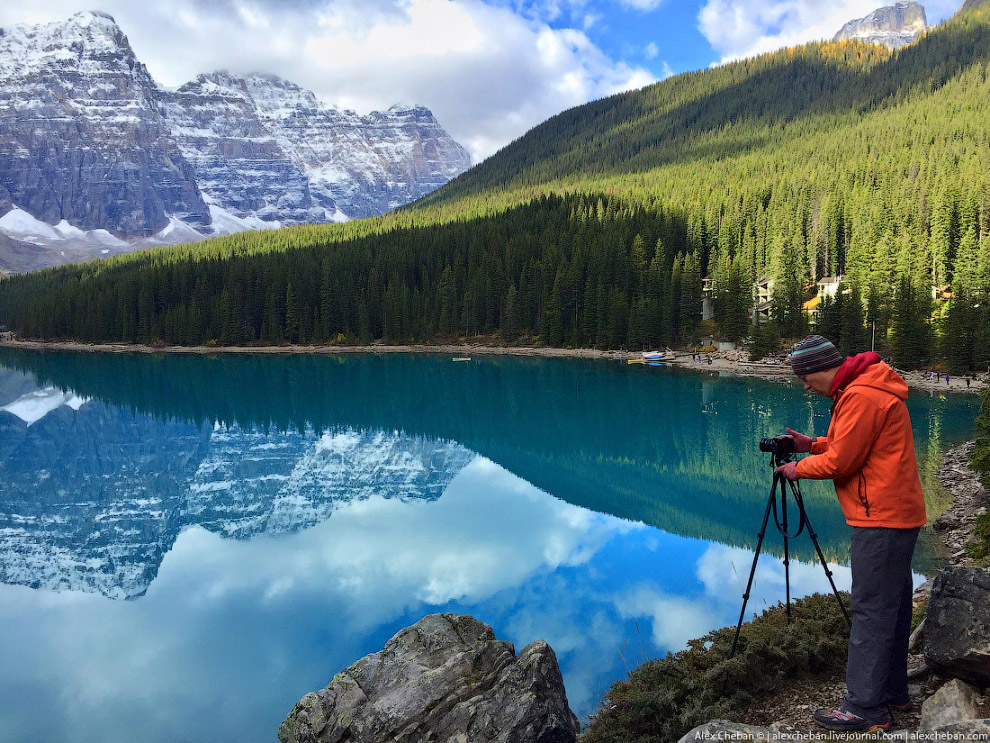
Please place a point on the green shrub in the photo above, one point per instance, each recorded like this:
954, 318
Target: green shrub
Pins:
664, 699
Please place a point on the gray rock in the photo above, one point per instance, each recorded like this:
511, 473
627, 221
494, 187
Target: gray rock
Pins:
446, 678
892, 26
239, 164
955, 702
725, 730
957, 625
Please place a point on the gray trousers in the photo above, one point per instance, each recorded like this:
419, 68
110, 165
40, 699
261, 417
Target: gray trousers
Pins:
876, 671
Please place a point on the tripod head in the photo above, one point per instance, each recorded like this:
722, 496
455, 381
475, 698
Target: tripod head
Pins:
781, 449
776, 460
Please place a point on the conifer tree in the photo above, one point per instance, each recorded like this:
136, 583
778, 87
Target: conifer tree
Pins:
291, 315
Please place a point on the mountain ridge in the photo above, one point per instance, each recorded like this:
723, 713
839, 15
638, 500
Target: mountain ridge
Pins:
92, 139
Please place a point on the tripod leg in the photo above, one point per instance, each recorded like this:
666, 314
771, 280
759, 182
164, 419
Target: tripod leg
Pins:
787, 561
756, 557
818, 549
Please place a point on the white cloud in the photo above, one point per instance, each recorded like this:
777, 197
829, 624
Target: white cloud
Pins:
641, 4
744, 28
651, 51
675, 619
489, 73
589, 20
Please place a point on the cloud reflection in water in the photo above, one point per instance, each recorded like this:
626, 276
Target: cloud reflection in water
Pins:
233, 632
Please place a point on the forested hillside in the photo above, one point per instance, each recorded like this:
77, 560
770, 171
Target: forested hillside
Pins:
597, 227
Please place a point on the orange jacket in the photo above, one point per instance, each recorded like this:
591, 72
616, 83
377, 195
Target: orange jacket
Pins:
869, 452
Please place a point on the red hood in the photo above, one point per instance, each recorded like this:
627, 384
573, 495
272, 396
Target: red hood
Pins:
851, 368
867, 369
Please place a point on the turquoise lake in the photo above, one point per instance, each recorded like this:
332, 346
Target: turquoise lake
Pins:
189, 544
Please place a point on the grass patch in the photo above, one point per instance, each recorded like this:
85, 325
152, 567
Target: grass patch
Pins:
663, 699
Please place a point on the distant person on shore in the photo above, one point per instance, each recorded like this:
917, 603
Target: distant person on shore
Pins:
869, 455
946, 380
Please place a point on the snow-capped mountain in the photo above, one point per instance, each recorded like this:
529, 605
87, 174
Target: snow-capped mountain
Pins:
262, 146
82, 138
365, 164
99, 512
892, 26
89, 142
239, 164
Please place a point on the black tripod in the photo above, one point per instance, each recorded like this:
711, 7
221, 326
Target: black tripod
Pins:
777, 459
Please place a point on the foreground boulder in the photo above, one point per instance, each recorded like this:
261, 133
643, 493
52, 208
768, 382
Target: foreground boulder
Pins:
446, 678
957, 625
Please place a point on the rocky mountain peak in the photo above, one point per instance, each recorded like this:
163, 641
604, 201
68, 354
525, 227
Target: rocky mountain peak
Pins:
219, 82
89, 36
892, 26
87, 137
94, 18
82, 134
280, 98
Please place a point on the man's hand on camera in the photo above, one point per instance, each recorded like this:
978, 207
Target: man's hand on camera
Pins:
802, 443
789, 470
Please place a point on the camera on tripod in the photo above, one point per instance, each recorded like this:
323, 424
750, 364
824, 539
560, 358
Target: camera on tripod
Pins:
780, 446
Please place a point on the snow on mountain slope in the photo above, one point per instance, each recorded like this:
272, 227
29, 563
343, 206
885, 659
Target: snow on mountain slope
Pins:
262, 145
20, 225
34, 406
238, 163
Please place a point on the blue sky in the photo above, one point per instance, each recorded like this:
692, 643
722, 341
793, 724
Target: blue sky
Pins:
488, 69
662, 37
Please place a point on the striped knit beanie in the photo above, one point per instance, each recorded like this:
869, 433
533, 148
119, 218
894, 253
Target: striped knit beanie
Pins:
814, 354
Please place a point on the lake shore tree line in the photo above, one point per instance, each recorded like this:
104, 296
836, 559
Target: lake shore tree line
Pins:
599, 227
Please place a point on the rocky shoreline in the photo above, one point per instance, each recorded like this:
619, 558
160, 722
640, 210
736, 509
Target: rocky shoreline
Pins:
734, 363
969, 500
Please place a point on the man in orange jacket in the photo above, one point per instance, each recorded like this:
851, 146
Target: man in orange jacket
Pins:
869, 456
